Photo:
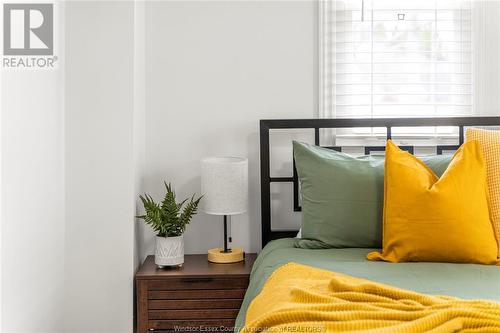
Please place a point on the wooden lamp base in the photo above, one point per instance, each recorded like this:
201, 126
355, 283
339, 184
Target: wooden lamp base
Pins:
218, 256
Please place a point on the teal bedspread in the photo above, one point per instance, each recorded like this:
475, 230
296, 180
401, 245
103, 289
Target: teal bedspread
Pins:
467, 281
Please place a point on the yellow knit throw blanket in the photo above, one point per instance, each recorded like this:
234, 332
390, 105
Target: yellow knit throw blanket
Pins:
298, 298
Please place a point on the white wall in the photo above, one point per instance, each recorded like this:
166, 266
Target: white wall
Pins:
32, 201
32, 198
213, 69
139, 116
100, 195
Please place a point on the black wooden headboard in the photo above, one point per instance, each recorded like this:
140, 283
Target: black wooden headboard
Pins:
268, 233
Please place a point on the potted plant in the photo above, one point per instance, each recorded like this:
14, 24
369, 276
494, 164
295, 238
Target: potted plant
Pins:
169, 220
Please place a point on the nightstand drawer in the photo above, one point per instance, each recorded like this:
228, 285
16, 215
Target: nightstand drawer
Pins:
198, 283
195, 294
178, 324
194, 314
195, 304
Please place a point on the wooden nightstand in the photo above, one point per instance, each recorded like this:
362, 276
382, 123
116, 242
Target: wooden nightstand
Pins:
200, 295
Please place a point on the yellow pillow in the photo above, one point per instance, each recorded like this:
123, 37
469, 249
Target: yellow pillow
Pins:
427, 218
490, 146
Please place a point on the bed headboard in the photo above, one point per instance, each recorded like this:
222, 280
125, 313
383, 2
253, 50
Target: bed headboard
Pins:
268, 233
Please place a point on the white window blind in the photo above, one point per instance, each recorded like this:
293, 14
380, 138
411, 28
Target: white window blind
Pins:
399, 58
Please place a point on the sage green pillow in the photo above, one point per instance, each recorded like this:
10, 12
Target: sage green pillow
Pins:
342, 196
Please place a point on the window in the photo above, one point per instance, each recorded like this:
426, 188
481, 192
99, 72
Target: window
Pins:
396, 58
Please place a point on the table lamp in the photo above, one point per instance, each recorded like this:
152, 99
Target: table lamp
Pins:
224, 185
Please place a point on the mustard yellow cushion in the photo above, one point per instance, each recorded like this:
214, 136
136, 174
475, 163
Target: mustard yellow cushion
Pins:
490, 146
427, 218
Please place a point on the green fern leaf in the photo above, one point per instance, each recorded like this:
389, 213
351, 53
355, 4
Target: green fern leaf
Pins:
166, 218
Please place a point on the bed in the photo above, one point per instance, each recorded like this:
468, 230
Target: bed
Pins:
460, 280
467, 281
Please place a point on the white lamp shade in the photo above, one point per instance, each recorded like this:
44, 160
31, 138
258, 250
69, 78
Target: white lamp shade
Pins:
224, 185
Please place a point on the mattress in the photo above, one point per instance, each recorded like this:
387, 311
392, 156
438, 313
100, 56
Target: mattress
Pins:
468, 281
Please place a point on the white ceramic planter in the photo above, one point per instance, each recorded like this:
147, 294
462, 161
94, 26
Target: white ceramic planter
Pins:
169, 251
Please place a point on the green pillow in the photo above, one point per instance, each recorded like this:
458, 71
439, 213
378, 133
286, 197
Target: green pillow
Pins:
342, 196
